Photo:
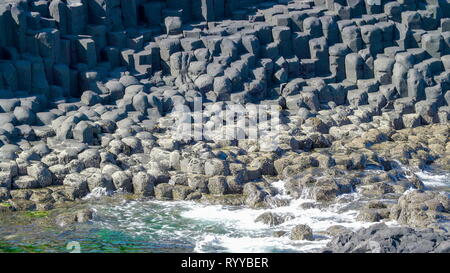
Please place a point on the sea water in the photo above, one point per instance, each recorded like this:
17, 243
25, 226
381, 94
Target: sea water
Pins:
121, 225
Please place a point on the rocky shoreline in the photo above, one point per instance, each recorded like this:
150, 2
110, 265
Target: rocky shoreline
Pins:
381, 239
356, 100
392, 193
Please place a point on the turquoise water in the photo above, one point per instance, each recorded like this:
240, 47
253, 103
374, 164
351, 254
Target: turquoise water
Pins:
108, 232
152, 226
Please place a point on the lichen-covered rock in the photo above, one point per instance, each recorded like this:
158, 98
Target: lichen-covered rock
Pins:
4, 194
421, 208
301, 232
164, 191
218, 185
96, 179
254, 196
122, 181
326, 189
41, 173
143, 184
181, 192
75, 186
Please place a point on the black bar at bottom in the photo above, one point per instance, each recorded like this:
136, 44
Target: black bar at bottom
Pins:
194, 262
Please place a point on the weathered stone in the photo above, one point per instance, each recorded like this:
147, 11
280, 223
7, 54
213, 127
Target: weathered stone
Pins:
218, 185
301, 232
122, 181
163, 191
41, 173
75, 186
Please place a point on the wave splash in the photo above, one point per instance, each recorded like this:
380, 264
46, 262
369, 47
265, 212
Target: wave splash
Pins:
217, 228
250, 236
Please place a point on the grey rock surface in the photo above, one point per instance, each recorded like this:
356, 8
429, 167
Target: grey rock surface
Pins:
380, 238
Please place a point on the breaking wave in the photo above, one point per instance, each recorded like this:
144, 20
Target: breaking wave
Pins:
216, 228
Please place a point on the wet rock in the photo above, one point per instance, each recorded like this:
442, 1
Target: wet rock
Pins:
224, 200
326, 189
22, 205
254, 196
373, 215
21, 194
380, 238
279, 233
181, 192
85, 215
70, 218
336, 230
345, 86
43, 199
4, 194
301, 232
164, 191
377, 189
64, 220
269, 218
421, 209
272, 219
194, 196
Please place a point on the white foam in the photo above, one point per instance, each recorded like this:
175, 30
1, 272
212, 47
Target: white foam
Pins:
256, 237
247, 244
434, 180
97, 193
216, 228
279, 186
428, 178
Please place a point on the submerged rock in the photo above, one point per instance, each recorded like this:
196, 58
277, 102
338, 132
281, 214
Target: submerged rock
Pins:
81, 216
273, 219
